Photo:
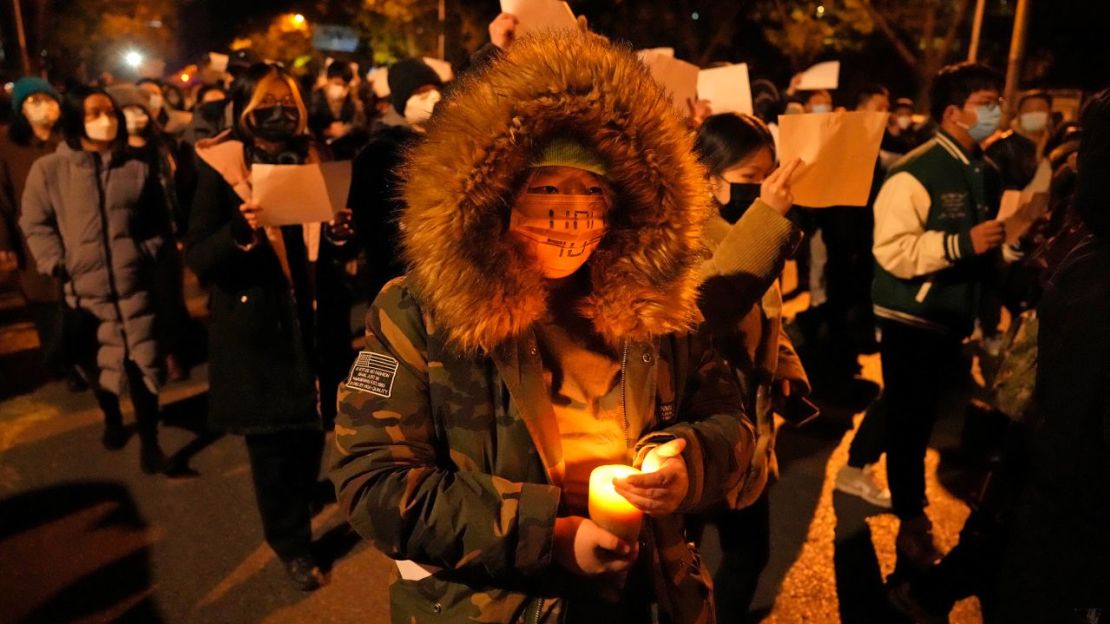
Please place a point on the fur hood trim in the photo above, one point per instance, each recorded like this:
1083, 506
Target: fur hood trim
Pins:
479, 284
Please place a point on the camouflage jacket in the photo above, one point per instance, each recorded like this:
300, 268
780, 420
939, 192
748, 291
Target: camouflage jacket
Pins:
454, 463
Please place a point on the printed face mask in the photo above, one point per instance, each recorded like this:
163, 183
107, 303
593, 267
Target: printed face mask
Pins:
561, 231
41, 113
137, 120
103, 128
1034, 122
419, 107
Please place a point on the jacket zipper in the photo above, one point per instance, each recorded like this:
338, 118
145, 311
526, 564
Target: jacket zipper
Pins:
539, 612
624, 403
112, 289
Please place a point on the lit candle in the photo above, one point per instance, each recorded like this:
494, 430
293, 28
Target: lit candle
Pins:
610, 510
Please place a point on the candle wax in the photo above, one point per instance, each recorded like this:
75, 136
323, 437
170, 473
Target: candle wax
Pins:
608, 509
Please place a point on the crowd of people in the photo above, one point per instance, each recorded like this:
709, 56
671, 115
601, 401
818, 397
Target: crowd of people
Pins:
564, 273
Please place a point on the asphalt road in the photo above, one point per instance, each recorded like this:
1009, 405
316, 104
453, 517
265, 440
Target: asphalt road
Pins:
86, 537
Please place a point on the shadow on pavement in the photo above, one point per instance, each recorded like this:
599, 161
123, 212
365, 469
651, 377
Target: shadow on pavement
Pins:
190, 415
859, 579
75, 552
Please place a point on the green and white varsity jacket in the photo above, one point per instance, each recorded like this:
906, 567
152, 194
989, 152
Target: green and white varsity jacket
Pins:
927, 273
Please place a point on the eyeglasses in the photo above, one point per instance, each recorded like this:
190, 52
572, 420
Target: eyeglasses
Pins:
989, 103
269, 101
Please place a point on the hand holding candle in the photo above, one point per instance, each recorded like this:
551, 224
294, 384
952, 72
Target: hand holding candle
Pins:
662, 486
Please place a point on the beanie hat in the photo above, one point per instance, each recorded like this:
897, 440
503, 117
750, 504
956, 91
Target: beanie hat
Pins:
562, 152
26, 87
130, 95
407, 76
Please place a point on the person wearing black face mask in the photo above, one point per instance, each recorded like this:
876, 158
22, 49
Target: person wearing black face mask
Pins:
277, 324
743, 314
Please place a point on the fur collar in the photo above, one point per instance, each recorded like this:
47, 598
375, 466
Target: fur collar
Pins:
477, 283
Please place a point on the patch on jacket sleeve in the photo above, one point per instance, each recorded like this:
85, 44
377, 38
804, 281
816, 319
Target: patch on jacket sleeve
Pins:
373, 373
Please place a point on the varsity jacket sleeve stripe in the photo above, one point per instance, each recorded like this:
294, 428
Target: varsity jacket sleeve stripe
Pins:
903, 247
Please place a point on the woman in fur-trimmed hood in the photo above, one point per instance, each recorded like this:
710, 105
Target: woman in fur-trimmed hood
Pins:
552, 232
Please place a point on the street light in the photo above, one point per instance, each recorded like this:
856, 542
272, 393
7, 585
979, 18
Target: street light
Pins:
298, 20
133, 59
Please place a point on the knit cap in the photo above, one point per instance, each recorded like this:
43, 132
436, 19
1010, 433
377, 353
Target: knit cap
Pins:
26, 87
407, 76
564, 152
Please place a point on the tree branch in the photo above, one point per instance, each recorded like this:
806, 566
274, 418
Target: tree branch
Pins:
724, 32
907, 55
953, 26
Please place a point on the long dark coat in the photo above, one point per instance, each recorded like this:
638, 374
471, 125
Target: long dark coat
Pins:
260, 376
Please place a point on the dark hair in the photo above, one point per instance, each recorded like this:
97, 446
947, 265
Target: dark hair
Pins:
904, 102
1036, 94
870, 91
73, 117
1092, 189
340, 69
726, 139
206, 89
954, 84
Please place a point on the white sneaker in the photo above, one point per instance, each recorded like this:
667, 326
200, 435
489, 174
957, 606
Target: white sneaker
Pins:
861, 482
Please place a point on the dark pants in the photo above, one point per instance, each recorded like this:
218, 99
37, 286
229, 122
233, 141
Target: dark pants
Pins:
285, 466
745, 550
144, 401
917, 366
870, 439
47, 318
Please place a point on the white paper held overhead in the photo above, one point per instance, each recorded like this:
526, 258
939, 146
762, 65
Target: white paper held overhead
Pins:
840, 151
298, 194
679, 78
820, 76
539, 15
726, 89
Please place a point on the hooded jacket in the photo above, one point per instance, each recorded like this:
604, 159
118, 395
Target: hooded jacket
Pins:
99, 225
449, 455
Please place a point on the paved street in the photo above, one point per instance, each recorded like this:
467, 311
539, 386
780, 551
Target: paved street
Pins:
86, 537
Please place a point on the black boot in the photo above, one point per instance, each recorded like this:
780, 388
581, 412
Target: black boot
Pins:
151, 458
304, 573
114, 436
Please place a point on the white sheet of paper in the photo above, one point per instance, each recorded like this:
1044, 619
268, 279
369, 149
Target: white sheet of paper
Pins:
412, 571
821, 76
379, 82
218, 61
539, 15
443, 69
297, 194
726, 88
840, 151
678, 77
1011, 201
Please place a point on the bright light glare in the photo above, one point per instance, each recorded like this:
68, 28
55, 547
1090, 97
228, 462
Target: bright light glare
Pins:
133, 59
298, 19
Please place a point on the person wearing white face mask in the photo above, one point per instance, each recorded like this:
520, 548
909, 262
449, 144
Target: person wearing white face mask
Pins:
94, 221
414, 90
147, 142
335, 115
32, 134
172, 120
1018, 151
